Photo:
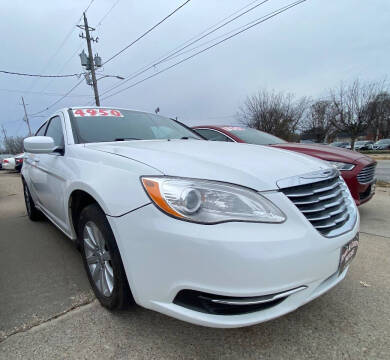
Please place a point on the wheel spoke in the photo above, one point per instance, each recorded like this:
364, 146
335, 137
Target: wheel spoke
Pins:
90, 245
98, 237
106, 256
95, 272
109, 277
98, 259
93, 259
90, 235
103, 280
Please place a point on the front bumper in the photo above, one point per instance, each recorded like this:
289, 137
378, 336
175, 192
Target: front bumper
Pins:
163, 256
361, 193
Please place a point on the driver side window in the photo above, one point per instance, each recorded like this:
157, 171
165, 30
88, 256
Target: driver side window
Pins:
41, 131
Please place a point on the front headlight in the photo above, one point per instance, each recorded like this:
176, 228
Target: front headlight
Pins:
209, 202
341, 165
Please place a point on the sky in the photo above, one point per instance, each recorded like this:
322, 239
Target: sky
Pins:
306, 51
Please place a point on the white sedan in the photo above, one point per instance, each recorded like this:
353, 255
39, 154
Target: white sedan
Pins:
217, 234
8, 163
14, 162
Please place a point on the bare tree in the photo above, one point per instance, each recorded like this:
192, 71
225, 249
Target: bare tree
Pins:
279, 113
13, 144
380, 125
318, 124
353, 113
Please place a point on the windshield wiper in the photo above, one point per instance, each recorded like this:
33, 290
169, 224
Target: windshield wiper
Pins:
124, 139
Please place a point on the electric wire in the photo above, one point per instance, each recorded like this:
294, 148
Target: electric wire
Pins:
266, 18
70, 58
57, 101
39, 75
170, 55
67, 36
41, 93
147, 32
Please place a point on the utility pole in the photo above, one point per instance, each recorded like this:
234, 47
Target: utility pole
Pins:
90, 66
26, 117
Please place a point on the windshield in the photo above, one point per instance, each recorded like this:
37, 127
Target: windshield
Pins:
253, 136
103, 125
383, 141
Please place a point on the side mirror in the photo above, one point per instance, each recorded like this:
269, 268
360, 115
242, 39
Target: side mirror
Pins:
39, 145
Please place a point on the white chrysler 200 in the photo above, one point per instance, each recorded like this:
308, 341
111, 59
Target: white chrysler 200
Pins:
217, 234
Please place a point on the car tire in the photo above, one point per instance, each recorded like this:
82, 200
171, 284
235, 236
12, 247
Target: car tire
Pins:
102, 260
32, 212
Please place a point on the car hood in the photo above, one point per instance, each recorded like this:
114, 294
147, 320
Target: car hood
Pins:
324, 152
254, 166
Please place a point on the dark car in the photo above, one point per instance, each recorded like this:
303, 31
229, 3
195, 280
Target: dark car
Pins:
383, 144
364, 145
19, 162
341, 144
357, 170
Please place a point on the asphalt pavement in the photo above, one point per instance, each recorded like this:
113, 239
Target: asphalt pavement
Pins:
383, 170
47, 309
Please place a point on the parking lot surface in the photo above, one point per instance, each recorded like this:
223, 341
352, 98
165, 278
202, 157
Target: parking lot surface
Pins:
383, 170
47, 309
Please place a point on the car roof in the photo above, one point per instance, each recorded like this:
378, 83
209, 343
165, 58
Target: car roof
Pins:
103, 107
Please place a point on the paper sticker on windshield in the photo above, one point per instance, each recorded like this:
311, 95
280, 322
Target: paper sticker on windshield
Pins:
96, 112
233, 128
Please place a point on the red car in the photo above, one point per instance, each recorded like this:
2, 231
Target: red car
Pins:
357, 169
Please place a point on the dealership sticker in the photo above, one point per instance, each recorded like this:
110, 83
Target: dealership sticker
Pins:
96, 112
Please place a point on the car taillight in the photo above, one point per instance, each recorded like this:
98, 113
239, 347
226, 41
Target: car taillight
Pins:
5, 161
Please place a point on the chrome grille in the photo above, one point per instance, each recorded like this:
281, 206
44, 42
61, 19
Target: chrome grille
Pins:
367, 174
326, 203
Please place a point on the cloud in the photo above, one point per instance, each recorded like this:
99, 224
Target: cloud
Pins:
305, 50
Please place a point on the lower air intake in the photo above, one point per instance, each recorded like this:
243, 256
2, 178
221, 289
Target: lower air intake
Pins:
227, 305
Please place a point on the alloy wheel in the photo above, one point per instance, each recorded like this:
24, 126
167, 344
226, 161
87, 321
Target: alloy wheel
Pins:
98, 259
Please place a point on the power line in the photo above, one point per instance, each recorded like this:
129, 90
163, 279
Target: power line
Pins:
57, 101
269, 16
67, 36
39, 75
90, 3
78, 49
147, 32
40, 93
170, 55
216, 29
62, 44
81, 45
106, 14
63, 66
212, 40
